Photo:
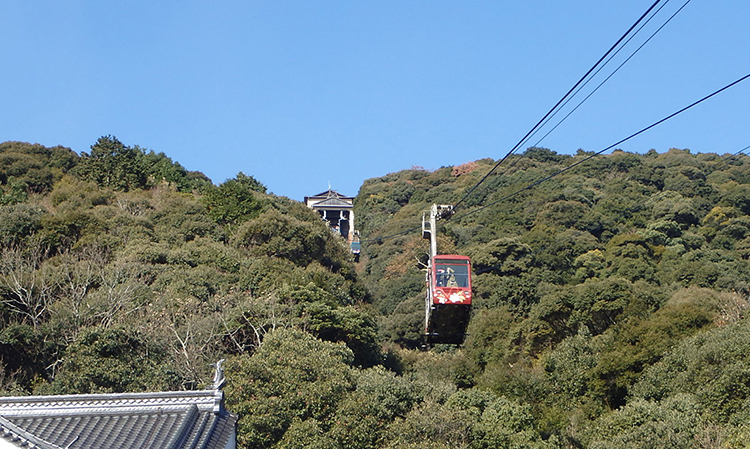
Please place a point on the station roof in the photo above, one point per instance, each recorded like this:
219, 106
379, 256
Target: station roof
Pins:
332, 203
329, 199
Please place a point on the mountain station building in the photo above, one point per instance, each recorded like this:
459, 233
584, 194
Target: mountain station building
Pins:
336, 209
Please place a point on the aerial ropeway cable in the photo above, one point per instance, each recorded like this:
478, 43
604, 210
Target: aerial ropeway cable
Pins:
590, 94
561, 101
577, 163
549, 114
600, 152
611, 74
448, 300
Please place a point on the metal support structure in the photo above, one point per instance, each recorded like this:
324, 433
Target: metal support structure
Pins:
429, 225
429, 231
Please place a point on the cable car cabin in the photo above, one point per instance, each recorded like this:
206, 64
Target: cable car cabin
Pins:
356, 247
448, 299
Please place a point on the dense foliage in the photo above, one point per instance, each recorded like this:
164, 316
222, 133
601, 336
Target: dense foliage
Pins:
122, 271
610, 300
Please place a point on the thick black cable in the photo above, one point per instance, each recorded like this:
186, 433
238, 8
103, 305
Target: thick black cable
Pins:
598, 153
612, 74
547, 178
572, 89
390, 236
606, 79
742, 150
602, 68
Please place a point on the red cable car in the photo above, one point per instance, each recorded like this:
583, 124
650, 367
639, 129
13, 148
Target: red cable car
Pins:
451, 280
448, 304
448, 299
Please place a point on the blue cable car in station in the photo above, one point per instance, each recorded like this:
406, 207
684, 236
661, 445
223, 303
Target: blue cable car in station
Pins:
356, 246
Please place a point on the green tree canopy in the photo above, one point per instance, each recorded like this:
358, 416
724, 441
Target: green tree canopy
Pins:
235, 200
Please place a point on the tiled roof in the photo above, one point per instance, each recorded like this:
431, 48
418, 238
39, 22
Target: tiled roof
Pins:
169, 420
16, 435
330, 193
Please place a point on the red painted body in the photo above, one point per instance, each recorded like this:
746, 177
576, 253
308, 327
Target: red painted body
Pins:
451, 280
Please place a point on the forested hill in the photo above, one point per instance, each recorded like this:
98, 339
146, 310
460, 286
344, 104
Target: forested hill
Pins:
609, 300
620, 284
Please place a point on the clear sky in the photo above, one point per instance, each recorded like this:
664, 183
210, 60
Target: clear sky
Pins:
300, 94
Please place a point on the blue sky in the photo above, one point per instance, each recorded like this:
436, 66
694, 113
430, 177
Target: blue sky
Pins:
300, 94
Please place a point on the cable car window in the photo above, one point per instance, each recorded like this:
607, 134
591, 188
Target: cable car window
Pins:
449, 274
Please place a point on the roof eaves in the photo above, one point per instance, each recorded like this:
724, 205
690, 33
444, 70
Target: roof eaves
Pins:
204, 400
201, 414
332, 202
18, 436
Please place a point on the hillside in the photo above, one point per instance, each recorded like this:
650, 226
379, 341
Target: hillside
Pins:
609, 300
589, 287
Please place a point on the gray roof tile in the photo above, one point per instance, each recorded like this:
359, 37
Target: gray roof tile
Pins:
188, 419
